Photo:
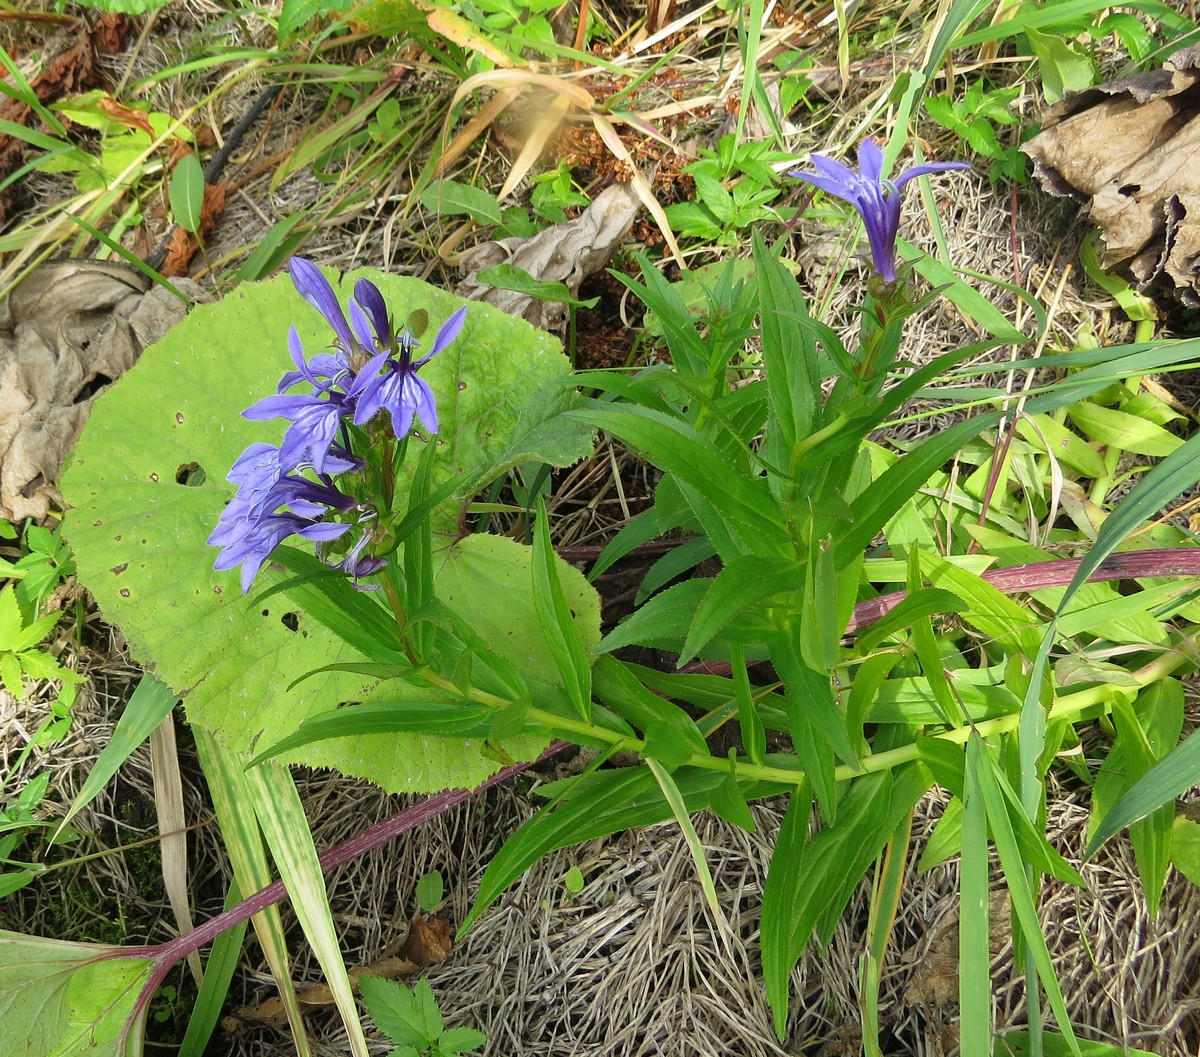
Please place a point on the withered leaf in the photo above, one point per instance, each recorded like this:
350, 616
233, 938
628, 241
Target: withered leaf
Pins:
1129, 148
566, 253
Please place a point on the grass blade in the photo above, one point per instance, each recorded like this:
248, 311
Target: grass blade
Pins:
150, 703
218, 973
974, 952
285, 827
172, 829
679, 809
1021, 893
233, 803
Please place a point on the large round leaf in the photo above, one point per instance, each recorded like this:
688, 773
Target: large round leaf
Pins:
147, 485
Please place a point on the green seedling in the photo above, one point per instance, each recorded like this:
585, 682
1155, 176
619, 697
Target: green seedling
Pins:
412, 1020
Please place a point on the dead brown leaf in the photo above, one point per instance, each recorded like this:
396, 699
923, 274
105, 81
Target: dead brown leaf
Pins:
66, 333
428, 942
1129, 147
182, 245
567, 253
125, 115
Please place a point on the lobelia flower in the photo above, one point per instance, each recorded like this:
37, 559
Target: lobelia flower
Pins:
876, 199
255, 521
390, 379
367, 369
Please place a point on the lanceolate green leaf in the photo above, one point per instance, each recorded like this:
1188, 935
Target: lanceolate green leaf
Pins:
437, 717
743, 583
670, 444
554, 616
789, 357
187, 192
619, 689
974, 952
811, 879
1176, 773
783, 881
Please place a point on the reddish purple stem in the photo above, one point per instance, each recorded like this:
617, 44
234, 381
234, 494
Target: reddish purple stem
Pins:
165, 955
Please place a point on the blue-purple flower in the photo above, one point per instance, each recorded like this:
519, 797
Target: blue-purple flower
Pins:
390, 379
368, 369
876, 199
271, 505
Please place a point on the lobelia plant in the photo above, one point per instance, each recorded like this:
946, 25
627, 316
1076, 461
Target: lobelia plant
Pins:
478, 651
371, 370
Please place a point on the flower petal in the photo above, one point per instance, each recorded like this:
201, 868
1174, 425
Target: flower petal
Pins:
829, 185
312, 285
361, 326
367, 294
420, 397
930, 167
836, 170
870, 161
448, 332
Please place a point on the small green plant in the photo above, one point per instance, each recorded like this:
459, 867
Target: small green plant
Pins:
45, 563
573, 881
554, 193
735, 186
126, 132
412, 1020
431, 889
21, 657
23, 661
524, 21
975, 117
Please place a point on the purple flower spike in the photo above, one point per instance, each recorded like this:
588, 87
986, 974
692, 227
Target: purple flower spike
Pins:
368, 369
876, 199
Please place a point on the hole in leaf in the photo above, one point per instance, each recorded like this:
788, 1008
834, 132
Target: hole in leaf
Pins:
190, 474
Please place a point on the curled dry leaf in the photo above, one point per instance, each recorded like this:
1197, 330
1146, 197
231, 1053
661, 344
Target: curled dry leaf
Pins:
66, 333
567, 253
1129, 147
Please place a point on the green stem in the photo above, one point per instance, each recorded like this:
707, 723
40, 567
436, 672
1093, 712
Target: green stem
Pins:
1067, 707
802, 447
